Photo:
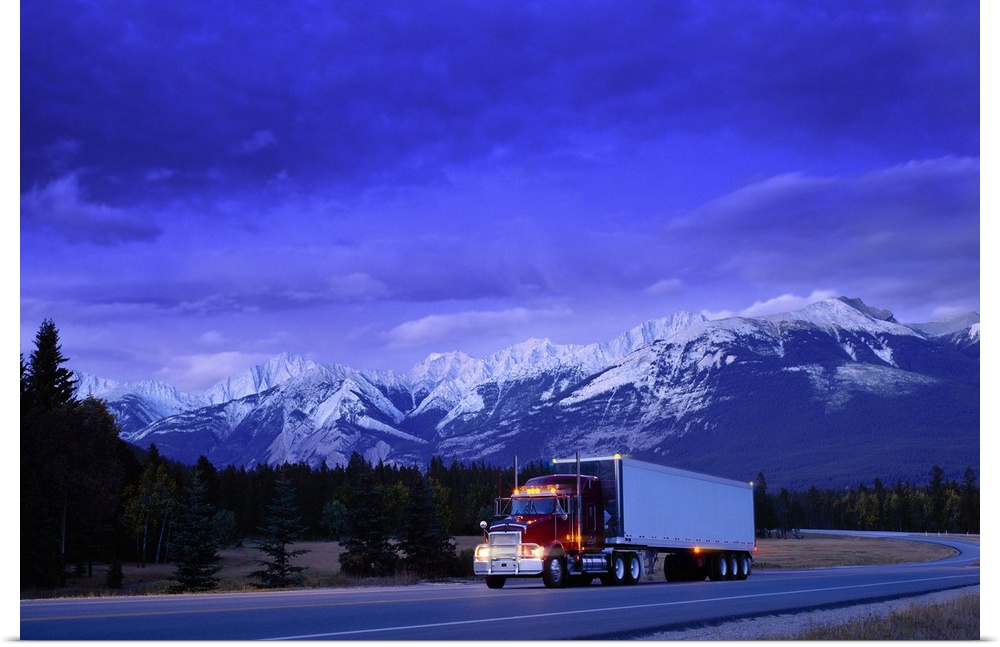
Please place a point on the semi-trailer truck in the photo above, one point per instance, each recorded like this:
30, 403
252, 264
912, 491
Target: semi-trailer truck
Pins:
611, 518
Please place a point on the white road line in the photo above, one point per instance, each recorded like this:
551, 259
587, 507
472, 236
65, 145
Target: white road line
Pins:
335, 634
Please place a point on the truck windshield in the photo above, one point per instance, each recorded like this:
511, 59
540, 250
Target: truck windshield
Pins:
535, 506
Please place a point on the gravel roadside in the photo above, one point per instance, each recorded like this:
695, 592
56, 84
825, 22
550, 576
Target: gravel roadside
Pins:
774, 626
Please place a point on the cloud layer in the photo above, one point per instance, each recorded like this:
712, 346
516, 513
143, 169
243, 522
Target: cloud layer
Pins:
366, 184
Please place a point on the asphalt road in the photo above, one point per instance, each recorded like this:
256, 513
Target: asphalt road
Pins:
524, 610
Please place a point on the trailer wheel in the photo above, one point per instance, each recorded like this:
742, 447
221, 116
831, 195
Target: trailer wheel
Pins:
694, 569
554, 573
634, 571
495, 581
683, 567
718, 567
671, 569
745, 564
733, 566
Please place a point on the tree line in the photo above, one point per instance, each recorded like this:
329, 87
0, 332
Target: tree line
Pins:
87, 497
940, 506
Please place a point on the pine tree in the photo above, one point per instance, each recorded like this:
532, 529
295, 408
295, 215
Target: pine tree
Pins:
25, 385
763, 512
969, 502
46, 383
224, 523
209, 476
334, 518
195, 542
367, 549
936, 497
282, 527
71, 467
428, 549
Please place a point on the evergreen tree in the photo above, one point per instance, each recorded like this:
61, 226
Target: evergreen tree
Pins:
936, 499
782, 512
195, 544
368, 551
94, 479
334, 518
41, 554
25, 385
428, 549
969, 502
763, 510
42, 549
282, 527
46, 383
209, 476
224, 522
72, 467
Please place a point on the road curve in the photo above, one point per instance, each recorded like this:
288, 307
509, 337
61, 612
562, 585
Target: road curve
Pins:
471, 611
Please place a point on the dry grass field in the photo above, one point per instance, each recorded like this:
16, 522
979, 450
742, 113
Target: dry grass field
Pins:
956, 619
323, 568
813, 551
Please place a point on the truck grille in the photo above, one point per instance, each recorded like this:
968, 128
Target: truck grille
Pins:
504, 544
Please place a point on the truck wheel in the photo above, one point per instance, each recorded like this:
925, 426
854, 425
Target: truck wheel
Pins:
634, 571
733, 565
554, 573
495, 581
744, 566
718, 567
618, 570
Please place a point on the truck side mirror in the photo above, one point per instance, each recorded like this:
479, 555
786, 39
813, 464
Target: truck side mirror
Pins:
482, 524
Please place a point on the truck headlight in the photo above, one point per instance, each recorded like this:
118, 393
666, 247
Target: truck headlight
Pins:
532, 551
483, 553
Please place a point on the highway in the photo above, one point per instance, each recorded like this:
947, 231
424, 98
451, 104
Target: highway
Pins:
522, 610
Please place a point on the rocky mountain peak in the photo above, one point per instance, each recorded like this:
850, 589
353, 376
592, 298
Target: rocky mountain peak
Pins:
788, 394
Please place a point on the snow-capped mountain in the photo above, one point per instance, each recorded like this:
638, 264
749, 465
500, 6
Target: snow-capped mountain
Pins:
137, 404
837, 393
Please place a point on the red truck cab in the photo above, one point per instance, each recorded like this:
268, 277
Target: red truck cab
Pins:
544, 527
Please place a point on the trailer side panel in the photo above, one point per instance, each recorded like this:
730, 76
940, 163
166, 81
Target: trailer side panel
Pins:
663, 507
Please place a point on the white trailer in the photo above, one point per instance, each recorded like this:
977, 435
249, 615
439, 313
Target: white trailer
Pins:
664, 507
703, 524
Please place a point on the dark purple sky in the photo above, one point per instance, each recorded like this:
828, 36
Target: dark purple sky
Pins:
205, 185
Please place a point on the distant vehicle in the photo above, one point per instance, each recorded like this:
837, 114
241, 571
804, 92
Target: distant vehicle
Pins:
615, 521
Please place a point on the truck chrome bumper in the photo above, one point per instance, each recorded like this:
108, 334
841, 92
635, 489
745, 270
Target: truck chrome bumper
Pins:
508, 566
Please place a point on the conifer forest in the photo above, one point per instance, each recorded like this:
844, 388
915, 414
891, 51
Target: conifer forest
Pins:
88, 498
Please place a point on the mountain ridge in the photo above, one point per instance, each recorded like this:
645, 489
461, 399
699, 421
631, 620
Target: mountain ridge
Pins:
671, 390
